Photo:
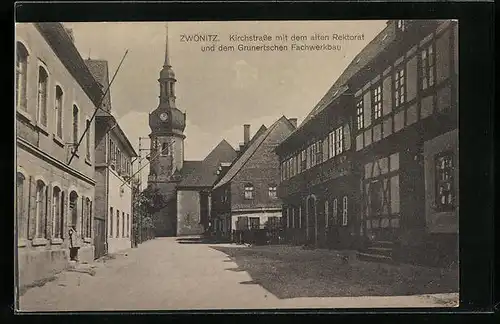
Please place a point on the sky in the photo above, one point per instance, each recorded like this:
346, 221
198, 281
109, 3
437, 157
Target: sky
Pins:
219, 91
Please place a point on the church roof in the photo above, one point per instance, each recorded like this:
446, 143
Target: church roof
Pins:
249, 152
204, 173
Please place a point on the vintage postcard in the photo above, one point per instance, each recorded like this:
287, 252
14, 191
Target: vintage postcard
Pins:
236, 165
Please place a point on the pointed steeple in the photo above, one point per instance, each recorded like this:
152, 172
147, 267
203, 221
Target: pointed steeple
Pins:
167, 56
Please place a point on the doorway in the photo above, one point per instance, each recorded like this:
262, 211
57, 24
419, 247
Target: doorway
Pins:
312, 221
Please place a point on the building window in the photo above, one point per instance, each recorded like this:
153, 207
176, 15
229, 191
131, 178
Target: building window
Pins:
117, 223
21, 76
110, 222
87, 140
88, 218
360, 122
43, 81
444, 181
56, 212
377, 102
273, 192
400, 25
75, 125
339, 140
427, 65
21, 212
249, 191
164, 149
254, 222
335, 211
344, 211
41, 209
399, 87
59, 110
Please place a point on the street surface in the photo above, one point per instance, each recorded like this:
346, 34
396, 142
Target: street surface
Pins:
168, 274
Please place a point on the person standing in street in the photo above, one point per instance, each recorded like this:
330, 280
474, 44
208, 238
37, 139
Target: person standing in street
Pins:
74, 244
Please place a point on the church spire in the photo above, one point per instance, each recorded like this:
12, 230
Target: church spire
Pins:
167, 56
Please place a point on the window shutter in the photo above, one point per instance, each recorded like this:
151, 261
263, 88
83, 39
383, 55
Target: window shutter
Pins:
347, 137
31, 208
411, 78
387, 95
48, 211
325, 149
90, 219
82, 216
367, 102
64, 213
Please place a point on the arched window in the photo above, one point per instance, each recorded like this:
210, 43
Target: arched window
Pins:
335, 211
273, 191
21, 75
41, 209
21, 211
58, 112
43, 81
73, 206
88, 217
75, 125
171, 84
117, 223
56, 212
344, 211
249, 191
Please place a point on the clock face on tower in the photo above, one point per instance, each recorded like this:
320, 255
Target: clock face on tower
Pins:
163, 116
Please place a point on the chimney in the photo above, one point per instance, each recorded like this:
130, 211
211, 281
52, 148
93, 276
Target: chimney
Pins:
246, 134
70, 33
242, 147
293, 121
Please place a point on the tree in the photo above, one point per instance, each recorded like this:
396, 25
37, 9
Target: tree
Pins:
146, 204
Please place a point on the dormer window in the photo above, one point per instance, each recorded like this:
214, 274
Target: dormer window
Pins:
249, 191
400, 25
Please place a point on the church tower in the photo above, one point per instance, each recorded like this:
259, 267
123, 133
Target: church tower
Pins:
167, 124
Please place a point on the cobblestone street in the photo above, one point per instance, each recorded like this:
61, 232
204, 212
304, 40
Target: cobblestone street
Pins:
169, 274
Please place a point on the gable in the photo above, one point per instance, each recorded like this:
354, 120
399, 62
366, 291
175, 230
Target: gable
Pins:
270, 138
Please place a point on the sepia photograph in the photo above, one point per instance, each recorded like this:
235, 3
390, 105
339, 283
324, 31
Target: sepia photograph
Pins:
236, 165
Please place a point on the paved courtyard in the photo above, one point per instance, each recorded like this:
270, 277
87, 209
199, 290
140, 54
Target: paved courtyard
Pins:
174, 274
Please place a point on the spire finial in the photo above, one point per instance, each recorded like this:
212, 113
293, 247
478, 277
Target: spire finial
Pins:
167, 58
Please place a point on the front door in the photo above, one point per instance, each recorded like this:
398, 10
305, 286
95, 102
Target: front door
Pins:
312, 221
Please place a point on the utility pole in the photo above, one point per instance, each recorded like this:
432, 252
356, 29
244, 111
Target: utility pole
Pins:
139, 169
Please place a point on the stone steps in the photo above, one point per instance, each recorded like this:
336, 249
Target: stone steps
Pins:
378, 251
